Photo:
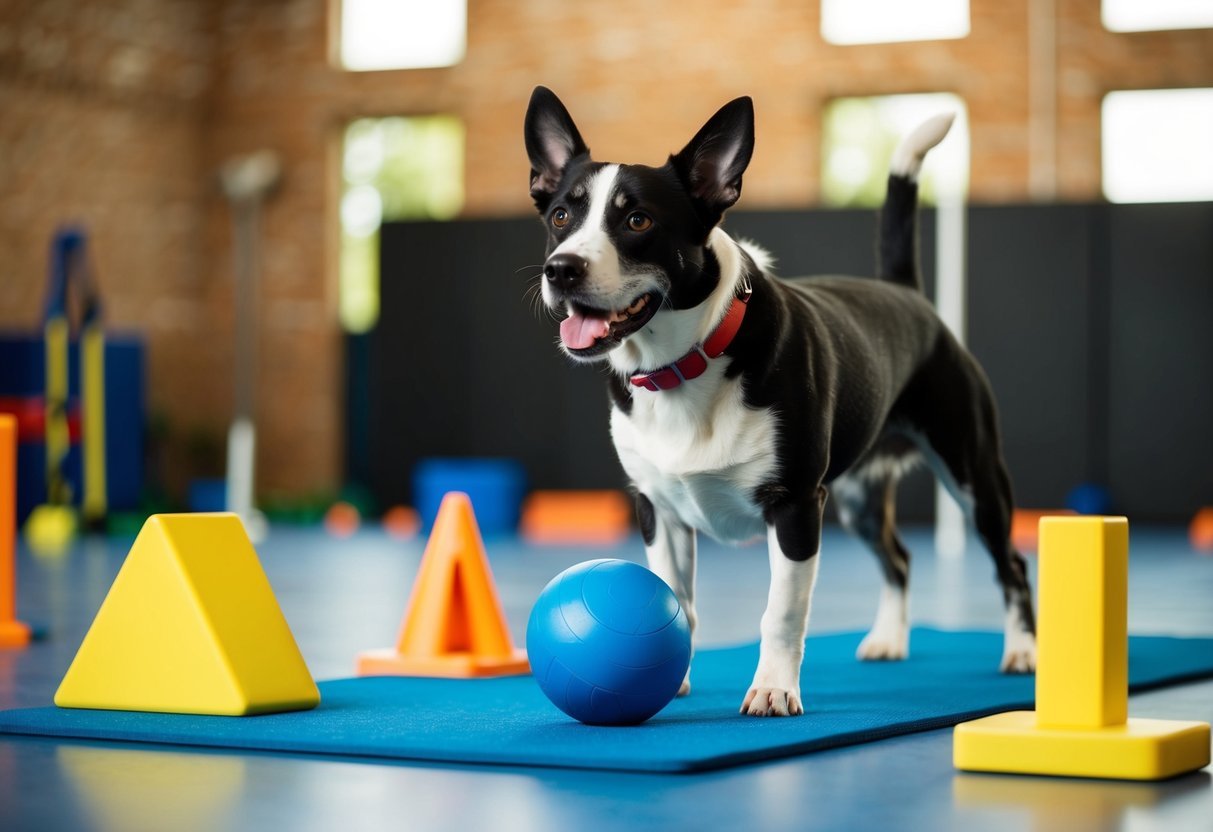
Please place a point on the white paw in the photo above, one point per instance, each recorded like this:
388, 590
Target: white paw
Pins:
883, 646
686, 686
1019, 656
889, 638
1019, 644
1019, 651
772, 702
775, 688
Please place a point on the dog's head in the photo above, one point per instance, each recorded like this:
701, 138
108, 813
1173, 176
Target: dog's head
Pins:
628, 244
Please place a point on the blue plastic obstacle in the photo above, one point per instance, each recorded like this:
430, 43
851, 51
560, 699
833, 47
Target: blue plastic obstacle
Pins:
608, 642
496, 488
1089, 498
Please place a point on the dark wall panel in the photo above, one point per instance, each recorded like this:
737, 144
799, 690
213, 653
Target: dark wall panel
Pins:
1029, 327
1160, 362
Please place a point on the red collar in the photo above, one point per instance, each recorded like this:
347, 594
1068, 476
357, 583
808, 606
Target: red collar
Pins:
693, 364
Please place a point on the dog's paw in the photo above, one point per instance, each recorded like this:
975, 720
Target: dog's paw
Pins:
880, 646
772, 702
1019, 652
1019, 659
685, 690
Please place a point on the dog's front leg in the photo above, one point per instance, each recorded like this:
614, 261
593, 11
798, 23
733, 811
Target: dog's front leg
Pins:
793, 542
670, 547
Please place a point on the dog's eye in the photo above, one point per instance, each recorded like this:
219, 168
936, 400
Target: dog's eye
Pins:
560, 218
639, 222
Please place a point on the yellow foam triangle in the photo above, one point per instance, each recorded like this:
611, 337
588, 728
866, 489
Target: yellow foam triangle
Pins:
190, 625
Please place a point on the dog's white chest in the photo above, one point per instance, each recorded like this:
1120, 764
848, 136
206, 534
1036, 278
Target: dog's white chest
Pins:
699, 453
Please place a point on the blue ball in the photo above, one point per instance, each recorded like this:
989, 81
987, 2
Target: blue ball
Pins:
608, 642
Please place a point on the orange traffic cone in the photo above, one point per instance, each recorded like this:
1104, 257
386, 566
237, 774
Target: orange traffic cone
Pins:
454, 625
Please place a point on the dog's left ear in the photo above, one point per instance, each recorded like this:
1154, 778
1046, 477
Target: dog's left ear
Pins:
551, 141
711, 165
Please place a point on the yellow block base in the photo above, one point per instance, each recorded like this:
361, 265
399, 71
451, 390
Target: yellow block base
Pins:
1142, 749
450, 666
14, 634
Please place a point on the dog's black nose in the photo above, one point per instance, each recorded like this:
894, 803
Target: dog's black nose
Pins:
564, 271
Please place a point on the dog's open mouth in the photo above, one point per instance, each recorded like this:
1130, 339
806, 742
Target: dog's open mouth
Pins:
588, 331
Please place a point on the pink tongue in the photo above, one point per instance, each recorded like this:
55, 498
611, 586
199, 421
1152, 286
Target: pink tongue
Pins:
578, 332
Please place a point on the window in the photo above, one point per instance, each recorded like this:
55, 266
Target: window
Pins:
847, 22
860, 134
402, 34
392, 169
1156, 145
1150, 15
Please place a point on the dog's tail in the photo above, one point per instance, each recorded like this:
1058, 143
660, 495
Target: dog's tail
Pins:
899, 217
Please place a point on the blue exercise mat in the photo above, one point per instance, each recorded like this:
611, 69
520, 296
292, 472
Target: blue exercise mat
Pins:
951, 677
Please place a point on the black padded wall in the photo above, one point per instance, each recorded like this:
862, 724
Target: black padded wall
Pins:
1030, 327
1159, 282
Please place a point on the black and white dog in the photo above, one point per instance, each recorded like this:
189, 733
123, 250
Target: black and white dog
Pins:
741, 400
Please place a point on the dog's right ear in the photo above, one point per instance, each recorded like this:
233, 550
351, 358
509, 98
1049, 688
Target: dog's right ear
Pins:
551, 141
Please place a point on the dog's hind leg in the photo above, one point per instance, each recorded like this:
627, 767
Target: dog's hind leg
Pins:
866, 500
971, 467
992, 506
670, 548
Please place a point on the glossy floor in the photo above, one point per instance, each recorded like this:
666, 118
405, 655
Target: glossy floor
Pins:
344, 596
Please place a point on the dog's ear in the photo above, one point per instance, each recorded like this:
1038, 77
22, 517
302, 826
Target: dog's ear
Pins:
551, 141
711, 165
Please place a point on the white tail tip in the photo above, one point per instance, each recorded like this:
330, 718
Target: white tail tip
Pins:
907, 159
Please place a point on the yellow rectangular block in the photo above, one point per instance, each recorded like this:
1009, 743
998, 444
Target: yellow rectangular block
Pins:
1082, 665
1141, 749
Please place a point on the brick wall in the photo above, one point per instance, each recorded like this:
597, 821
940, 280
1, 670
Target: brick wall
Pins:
119, 112
102, 122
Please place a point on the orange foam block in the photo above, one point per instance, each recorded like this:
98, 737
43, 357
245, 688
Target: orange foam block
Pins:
1200, 532
454, 625
576, 517
1025, 523
13, 633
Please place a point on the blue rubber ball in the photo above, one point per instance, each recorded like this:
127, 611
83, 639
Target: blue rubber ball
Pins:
608, 642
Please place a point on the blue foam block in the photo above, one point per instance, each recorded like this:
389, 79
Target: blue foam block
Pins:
951, 677
496, 488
